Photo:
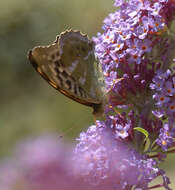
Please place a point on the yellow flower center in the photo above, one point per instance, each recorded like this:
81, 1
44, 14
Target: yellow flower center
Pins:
164, 142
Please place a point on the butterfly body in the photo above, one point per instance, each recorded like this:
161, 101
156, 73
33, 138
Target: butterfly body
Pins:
69, 65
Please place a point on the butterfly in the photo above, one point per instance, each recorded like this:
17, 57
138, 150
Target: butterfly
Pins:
70, 66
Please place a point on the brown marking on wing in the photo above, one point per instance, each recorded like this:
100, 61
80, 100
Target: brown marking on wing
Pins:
54, 85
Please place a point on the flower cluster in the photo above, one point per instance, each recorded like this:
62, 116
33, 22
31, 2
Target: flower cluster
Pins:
131, 47
136, 52
121, 152
110, 164
121, 126
98, 162
164, 87
167, 133
42, 164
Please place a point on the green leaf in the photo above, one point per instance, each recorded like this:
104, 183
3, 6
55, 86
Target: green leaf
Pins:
143, 131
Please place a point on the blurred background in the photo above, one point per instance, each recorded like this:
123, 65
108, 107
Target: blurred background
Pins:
28, 105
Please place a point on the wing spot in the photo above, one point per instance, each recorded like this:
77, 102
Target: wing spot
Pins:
59, 69
64, 73
57, 63
82, 94
75, 89
60, 80
68, 84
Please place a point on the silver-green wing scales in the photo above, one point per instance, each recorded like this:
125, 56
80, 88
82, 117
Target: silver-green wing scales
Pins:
69, 66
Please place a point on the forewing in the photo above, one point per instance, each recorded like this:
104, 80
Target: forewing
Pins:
67, 65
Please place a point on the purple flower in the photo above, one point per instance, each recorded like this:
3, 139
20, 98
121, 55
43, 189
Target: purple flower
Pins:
163, 85
10, 175
111, 78
157, 84
125, 49
118, 3
161, 99
120, 125
156, 9
165, 139
169, 87
106, 162
171, 108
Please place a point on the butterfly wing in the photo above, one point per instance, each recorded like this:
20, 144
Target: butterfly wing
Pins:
68, 66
